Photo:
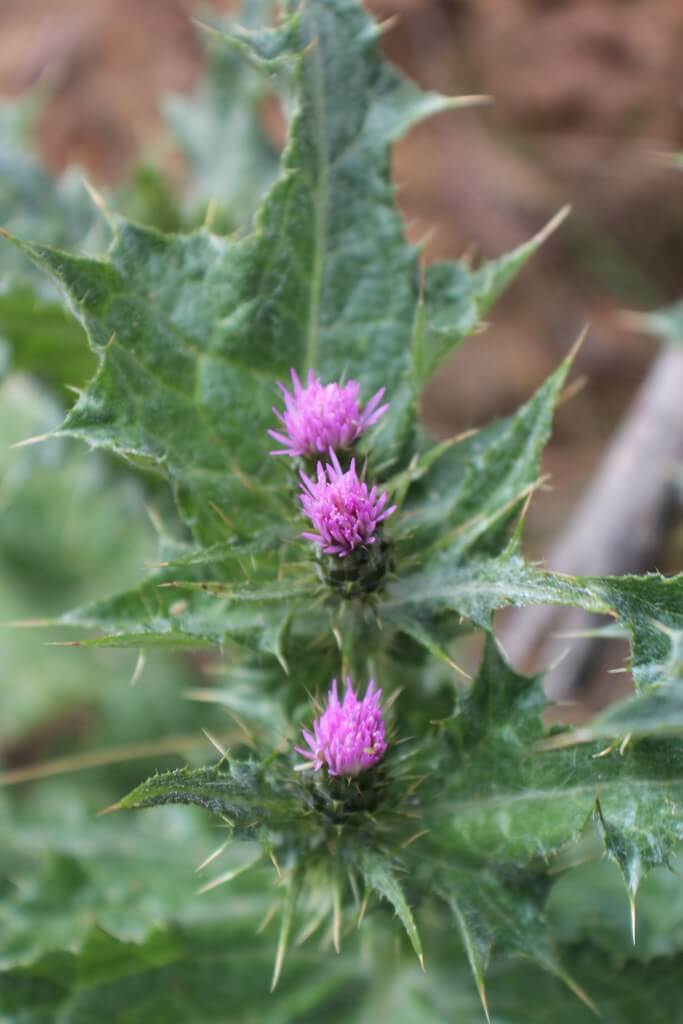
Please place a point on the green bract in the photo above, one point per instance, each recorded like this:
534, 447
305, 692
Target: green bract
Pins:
467, 821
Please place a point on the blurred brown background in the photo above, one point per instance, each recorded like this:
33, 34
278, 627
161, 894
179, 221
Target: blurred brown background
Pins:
588, 103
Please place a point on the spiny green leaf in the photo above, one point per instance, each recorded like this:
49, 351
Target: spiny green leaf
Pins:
623, 992
465, 498
192, 331
242, 792
290, 902
214, 972
658, 711
589, 903
513, 802
379, 877
464, 495
649, 607
185, 605
506, 809
218, 983
492, 910
68, 529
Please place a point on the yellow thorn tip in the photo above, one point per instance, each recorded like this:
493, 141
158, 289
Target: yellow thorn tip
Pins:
109, 810
484, 1001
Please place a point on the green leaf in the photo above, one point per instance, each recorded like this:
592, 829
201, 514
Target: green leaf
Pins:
244, 793
192, 331
465, 499
196, 601
379, 877
588, 903
493, 885
505, 912
548, 796
120, 879
623, 993
506, 809
494, 819
462, 495
658, 711
649, 607
208, 963
471, 821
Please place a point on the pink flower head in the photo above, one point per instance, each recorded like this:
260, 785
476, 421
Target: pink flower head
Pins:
349, 736
341, 508
322, 416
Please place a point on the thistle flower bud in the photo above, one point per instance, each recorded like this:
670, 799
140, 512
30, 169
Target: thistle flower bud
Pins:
318, 416
349, 737
344, 512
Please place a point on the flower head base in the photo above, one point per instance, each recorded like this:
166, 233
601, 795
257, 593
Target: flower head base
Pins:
318, 416
342, 509
349, 737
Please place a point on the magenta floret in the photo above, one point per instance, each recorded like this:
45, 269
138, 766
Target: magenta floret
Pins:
349, 737
318, 416
343, 511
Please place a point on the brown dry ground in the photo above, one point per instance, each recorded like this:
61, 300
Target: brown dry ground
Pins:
587, 99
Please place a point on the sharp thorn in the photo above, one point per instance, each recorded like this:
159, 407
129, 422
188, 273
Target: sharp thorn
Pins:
212, 856
217, 746
484, 1000
38, 439
552, 225
109, 810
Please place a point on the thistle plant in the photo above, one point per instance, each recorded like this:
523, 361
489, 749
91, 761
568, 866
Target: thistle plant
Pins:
363, 555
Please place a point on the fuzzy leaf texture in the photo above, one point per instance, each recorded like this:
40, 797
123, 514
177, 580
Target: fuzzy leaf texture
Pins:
485, 829
191, 333
83, 940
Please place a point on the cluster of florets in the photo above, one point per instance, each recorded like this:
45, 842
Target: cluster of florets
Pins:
344, 512
318, 417
327, 418
349, 737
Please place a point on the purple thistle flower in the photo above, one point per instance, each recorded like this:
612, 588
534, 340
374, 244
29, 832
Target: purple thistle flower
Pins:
349, 737
322, 416
341, 508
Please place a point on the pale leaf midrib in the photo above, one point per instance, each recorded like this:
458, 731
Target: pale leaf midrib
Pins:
320, 212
